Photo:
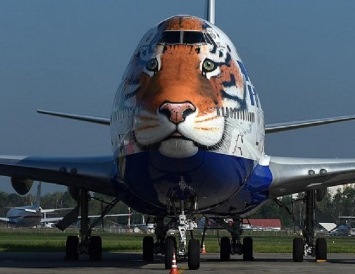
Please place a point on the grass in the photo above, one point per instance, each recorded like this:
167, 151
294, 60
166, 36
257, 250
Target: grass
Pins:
37, 240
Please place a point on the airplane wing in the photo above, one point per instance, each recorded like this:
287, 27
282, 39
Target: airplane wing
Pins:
51, 210
279, 127
294, 175
24, 209
85, 118
51, 219
92, 173
56, 219
110, 215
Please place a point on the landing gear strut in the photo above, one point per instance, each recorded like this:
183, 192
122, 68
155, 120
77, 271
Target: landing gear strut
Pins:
85, 243
307, 245
235, 246
182, 202
159, 247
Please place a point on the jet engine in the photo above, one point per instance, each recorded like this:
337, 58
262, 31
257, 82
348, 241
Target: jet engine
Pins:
21, 186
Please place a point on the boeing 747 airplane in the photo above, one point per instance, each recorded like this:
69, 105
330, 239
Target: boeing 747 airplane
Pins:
187, 136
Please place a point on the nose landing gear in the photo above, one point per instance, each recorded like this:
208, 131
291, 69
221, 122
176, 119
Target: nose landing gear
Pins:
182, 200
182, 203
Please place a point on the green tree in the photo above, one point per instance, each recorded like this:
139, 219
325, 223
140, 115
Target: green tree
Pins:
273, 210
344, 202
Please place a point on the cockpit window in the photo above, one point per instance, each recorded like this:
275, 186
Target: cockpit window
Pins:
170, 37
182, 37
193, 37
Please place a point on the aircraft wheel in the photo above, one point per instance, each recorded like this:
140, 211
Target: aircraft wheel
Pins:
225, 249
193, 254
174, 241
321, 249
71, 248
298, 251
95, 248
248, 249
148, 249
170, 249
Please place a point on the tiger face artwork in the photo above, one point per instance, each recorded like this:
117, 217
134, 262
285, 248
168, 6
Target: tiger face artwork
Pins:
185, 89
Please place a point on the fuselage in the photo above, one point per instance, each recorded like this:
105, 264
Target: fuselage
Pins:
186, 110
27, 216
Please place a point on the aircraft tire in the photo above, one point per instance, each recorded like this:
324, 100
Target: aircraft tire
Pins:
148, 249
321, 249
297, 253
170, 249
95, 248
248, 249
193, 260
71, 248
174, 241
225, 249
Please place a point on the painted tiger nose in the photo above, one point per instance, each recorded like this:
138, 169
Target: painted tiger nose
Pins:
177, 112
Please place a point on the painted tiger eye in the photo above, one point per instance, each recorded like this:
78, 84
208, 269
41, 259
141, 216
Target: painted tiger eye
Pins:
208, 65
152, 64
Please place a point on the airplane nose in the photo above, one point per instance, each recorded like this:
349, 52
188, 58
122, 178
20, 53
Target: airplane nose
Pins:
177, 112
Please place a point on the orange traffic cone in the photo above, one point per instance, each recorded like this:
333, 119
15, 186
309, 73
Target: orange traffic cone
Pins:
203, 251
174, 269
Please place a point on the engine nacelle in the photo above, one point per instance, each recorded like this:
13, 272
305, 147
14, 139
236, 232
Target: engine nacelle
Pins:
21, 186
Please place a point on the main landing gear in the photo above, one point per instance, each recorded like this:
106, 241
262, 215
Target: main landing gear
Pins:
85, 243
182, 201
234, 245
306, 245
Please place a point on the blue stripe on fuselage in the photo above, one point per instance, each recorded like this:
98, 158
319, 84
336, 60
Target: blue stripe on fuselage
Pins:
218, 179
252, 194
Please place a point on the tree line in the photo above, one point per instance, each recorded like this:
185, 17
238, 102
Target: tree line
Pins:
342, 203
64, 200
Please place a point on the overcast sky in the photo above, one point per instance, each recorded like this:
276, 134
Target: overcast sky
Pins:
69, 56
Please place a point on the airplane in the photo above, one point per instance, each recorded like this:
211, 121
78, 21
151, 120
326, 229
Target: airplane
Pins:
31, 215
34, 215
187, 136
342, 230
147, 227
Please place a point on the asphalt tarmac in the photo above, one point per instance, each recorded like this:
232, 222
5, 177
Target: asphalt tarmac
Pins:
53, 262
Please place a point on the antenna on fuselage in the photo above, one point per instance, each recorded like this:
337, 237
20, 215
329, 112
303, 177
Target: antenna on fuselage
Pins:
211, 11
